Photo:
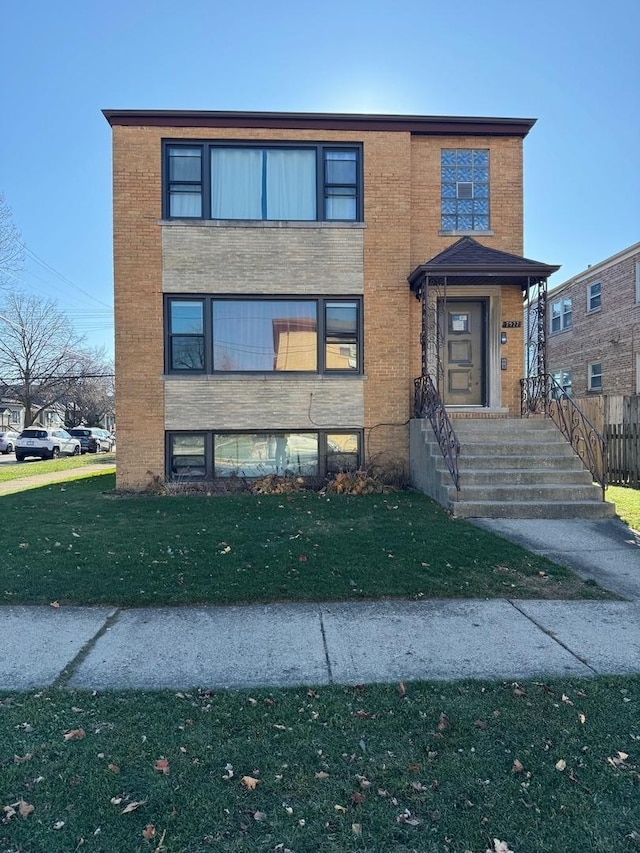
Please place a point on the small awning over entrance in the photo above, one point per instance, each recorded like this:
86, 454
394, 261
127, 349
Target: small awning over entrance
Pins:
468, 262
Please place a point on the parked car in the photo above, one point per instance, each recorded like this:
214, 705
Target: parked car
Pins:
7, 441
92, 439
46, 443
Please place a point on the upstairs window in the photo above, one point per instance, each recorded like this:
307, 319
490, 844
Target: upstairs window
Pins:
277, 183
464, 186
561, 315
594, 296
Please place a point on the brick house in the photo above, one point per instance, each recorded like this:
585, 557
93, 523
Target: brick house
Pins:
266, 273
594, 328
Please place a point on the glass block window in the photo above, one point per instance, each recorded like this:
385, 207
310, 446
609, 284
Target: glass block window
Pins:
464, 189
594, 296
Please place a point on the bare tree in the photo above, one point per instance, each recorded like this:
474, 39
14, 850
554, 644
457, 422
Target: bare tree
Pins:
41, 355
92, 395
11, 248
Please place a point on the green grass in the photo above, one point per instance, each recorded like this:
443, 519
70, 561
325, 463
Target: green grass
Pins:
627, 501
338, 769
81, 543
31, 467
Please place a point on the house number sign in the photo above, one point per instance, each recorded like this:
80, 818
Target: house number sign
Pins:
511, 324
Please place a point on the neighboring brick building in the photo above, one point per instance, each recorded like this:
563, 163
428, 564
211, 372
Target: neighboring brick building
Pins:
264, 319
594, 328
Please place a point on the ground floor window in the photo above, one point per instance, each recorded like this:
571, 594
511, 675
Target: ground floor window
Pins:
203, 455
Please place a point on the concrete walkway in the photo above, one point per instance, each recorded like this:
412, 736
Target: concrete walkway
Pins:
346, 643
36, 481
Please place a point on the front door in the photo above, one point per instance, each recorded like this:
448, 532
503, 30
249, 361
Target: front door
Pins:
462, 330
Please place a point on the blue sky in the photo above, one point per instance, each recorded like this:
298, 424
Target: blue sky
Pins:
572, 64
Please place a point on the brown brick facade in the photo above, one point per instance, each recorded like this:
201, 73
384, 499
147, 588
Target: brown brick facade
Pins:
401, 172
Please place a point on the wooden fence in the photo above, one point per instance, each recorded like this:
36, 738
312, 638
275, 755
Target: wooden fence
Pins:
617, 417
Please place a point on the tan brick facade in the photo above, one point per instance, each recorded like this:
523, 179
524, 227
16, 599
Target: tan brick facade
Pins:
401, 229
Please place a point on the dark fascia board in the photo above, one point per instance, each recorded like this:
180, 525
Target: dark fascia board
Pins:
418, 125
514, 271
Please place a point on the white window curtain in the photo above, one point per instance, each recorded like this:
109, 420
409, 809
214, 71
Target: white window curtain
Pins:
291, 185
236, 183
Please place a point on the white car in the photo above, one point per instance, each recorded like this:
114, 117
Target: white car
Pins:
8, 441
45, 443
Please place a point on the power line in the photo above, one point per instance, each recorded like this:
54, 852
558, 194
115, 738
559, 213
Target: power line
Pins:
59, 275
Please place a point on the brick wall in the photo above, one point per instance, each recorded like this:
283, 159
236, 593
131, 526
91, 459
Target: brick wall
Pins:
609, 335
402, 221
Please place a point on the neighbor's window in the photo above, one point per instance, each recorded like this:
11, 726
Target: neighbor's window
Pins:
595, 376
464, 186
247, 182
563, 382
256, 454
637, 282
225, 335
561, 315
594, 296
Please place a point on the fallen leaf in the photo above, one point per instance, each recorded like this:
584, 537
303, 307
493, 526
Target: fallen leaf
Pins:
480, 724
407, 818
566, 699
322, 775
20, 759
114, 768
517, 766
356, 828
444, 722
340, 809
582, 718
623, 756
418, 786
518, 691
357, 798
149, 831
74, 734
24, 808
132, 806
402, 690
162, 766
249, 782
259, 816
500, 847
58, 824
55, 604
303, 558
560, 765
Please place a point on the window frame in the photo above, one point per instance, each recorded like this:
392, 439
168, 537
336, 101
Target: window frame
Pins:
591, 296
320, 302
563, 324
206, 146
564, 378
209, 448
591, 374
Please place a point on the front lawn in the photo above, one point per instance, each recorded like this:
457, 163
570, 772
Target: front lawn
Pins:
627, 501
541, 767
79, 542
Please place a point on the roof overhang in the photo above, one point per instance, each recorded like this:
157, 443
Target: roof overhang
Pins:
417, 125
473, 275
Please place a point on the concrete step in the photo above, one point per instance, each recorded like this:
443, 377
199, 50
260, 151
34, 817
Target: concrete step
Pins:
550, 492
507, 447
524, 462
533, 509
577, 476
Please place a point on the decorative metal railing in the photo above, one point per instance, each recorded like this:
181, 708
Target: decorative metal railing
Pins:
543, 395
428, 404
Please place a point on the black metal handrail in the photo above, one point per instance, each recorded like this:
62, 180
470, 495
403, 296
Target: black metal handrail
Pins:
543, 395
428, 404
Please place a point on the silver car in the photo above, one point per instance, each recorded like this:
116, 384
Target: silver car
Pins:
45, 443
7, 441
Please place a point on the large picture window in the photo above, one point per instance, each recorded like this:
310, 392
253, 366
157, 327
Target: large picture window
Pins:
222, 335
206, 455
275, 182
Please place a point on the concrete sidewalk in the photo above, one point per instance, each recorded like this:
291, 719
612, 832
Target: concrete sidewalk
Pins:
346, 643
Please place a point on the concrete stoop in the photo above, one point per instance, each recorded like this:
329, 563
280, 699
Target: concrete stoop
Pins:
509, 468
